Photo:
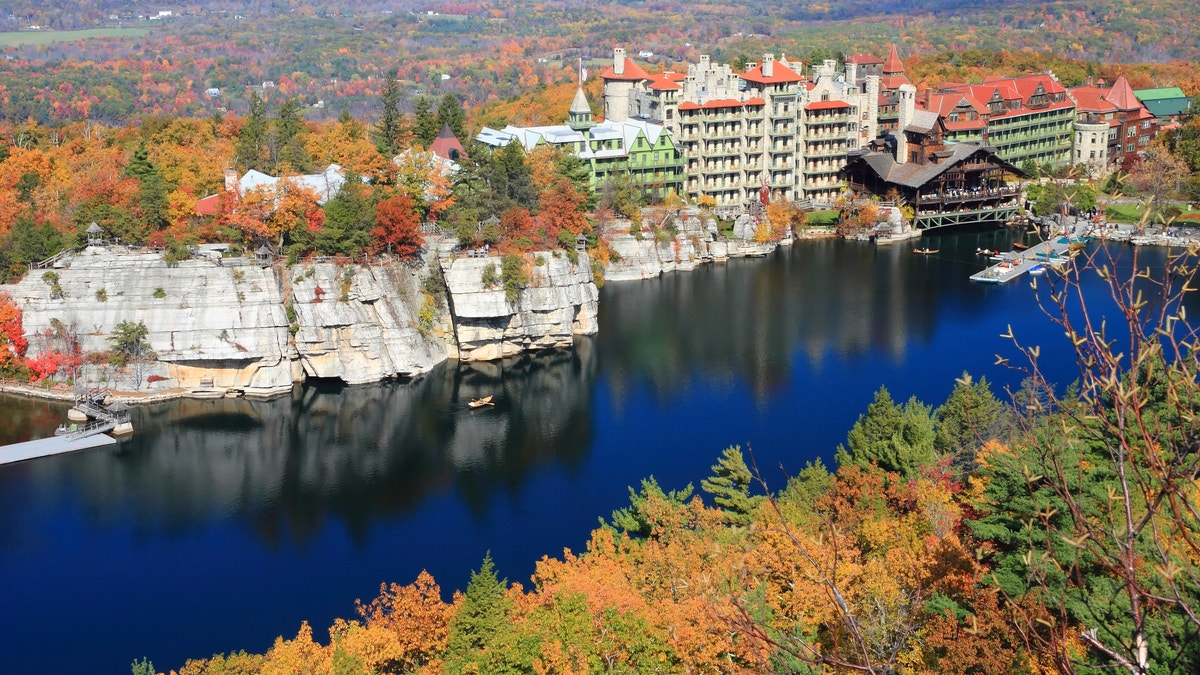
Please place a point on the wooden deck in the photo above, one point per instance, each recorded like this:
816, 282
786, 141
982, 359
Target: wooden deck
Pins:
1013, 264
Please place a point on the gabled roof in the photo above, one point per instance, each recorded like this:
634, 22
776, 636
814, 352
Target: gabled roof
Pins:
780, 74
664, 81
893, 65
884, 165
1146, 95
1092, 99
446, 144
863, 59
893, 82
923, 121
1122, 95
632, 72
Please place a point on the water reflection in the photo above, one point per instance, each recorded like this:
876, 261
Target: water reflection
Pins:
747, 319
354, 453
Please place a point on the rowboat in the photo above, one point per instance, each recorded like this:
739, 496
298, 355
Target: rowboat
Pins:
1019, 246
480, 402
925, 251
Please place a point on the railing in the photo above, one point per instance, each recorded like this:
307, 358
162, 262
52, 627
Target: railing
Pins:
49, 262
91, 429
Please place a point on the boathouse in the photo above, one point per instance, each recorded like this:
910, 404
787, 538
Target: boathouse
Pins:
947, 184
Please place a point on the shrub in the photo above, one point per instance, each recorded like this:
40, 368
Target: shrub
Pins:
427, 315
102, 295
160, 293
434, 282
177, 252
490, 278
515, 276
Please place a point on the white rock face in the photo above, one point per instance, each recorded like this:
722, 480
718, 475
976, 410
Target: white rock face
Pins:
559, 303
694, 242
363, 325
223, 322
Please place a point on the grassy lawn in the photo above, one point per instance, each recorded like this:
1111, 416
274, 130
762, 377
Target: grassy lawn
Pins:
45, 37
822, 218
1132, 213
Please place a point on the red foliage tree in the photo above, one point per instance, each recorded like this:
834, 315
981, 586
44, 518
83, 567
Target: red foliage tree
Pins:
397, 227
12, 339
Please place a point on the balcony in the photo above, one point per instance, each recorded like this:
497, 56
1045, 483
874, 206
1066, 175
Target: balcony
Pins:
967, 195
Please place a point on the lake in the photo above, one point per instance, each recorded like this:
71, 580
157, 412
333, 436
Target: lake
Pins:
221, 524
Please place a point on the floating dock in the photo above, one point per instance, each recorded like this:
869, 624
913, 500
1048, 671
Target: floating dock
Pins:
1009, 266
56, 445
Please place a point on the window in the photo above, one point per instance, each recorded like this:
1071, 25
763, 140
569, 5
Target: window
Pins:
1131, 132
1146, 124
1130, 148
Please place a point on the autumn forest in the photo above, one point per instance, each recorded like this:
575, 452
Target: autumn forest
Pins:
1047, 529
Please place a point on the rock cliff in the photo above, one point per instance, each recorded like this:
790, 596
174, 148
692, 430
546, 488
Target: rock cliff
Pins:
677, 241
558, 303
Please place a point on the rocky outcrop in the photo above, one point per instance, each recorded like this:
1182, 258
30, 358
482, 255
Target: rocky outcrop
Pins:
212, 324
558, 303
364, 323
677, 241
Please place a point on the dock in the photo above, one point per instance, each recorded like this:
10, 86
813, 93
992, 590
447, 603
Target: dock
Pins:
55, 445
1053, 252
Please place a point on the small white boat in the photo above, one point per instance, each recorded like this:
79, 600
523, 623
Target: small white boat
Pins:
1037, 269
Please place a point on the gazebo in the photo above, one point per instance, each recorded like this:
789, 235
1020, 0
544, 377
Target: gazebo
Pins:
95, 234
263, 255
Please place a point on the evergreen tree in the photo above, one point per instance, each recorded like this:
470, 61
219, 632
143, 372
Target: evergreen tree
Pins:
970, 416
252, 139
730, 486
450, 113
152, 188
633, 519
519, 190
480, 620
425, 123
287, 139
387, 132
349, 217
574, 169
897, 438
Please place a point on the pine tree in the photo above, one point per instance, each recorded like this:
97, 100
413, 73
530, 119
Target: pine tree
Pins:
480, 619
730, 486
519, 190
349, 217
152, 188
450, 113
633, 519
253, 138
970, 417
390, 120
897, 438
425, 124
287, 139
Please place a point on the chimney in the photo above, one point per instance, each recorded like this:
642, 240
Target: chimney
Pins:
907, 108
768, 65
852, 74
618, 60
231, 180
929, 98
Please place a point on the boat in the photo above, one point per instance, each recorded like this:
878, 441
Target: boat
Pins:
925, 251
1019, 246
480, 402
985, 251
1037, 269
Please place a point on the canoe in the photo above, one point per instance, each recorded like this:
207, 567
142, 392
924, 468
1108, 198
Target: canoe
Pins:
1019, 246
480, 402
925, 251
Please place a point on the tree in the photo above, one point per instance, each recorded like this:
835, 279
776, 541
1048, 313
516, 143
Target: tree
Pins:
970, 417
635, 519
349, 218
152, 188
388, 129
398, 227
252, 140
897, 438
730, 486
480, 619
450, 113
511, 168
287, 140
12, 339
1092, 519
425, 123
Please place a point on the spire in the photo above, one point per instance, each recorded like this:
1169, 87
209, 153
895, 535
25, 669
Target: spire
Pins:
893, 66
1122, 96
580, 115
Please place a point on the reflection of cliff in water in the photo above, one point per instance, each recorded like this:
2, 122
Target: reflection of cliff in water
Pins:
358, 452
748, 318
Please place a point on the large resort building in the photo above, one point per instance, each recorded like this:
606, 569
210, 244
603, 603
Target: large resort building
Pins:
722, 133
768, 125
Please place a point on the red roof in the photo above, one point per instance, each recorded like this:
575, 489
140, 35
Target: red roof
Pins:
826, 105
632, 72
863, 59
780, 74
209, 206
665, 81
1122, 95
756, 101
446, 145
1092, 99
1018, 89
893, 65
893, 82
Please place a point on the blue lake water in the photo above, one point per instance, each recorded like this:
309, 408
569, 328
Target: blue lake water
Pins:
222, 524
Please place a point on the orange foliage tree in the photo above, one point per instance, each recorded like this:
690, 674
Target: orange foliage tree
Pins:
398, 227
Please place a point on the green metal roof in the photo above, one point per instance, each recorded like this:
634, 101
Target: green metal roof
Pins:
1158, 94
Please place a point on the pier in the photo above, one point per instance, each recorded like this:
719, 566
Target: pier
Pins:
100, 418
1053, 252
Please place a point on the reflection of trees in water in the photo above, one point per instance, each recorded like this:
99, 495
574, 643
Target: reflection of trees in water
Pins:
747, 318
357, 452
